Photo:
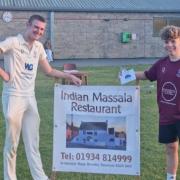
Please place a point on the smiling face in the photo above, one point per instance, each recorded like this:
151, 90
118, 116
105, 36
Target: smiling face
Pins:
172, 46
35, 30
171, 37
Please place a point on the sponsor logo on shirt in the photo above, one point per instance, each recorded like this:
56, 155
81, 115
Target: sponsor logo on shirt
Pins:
178, 73
169, 91
163, 69
28, 66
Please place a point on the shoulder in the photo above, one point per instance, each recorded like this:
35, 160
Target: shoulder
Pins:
12, 38
9, 43
40, 49
16, 40
161, 61
38, 44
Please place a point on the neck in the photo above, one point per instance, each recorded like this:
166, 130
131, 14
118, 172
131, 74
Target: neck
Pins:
28, 40
174, 58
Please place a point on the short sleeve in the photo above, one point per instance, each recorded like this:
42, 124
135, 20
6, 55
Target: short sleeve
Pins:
152, 72
7, 44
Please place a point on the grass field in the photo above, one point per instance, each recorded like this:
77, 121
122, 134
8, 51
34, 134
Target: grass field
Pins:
152, 153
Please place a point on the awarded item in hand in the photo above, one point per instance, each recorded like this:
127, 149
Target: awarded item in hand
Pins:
127, 76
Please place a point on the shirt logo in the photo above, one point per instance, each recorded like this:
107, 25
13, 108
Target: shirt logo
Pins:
178, 73
169, 91
28, 66
163, 69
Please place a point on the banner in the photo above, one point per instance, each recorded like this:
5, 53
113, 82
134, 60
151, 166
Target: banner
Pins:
97, 129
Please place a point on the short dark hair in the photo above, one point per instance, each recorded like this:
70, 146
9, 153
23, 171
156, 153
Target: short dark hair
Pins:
170, 32
36, 17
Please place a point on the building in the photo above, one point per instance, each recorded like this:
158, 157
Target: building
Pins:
94, 28
98, 135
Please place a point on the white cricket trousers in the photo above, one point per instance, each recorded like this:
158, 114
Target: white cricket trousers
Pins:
21, 115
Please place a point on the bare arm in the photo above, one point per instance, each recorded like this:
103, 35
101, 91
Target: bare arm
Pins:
4, 75
140, 75
48, 70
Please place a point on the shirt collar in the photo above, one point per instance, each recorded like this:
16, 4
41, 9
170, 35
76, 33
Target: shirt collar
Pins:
22, 40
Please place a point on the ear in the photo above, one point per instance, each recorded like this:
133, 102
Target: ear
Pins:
28, 24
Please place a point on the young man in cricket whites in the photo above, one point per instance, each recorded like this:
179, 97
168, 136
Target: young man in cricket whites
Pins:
22, 55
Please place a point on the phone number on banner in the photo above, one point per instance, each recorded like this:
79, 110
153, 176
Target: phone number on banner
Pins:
96, 156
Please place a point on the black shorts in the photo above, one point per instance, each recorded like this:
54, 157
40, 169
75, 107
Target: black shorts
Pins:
169, 133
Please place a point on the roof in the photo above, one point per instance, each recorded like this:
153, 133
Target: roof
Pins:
93, 126
92, 5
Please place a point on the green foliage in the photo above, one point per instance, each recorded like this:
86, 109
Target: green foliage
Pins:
152, 153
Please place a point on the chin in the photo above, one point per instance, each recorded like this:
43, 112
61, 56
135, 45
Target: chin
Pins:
36, 38
171, 53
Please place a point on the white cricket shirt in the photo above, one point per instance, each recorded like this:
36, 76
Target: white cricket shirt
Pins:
21, 63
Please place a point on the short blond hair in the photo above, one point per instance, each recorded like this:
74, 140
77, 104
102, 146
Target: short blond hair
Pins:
170, 32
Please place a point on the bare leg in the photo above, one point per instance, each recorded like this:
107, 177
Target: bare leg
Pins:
172, 157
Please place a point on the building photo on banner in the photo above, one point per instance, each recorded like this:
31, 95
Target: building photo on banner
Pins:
97, 129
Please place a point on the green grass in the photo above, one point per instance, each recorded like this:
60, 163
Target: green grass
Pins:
152, 153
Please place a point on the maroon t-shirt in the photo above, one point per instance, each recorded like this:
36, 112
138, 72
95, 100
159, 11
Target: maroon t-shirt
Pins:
167, 75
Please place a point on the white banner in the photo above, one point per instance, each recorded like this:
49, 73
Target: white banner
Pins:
97, 129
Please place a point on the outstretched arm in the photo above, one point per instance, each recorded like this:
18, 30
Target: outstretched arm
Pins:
140, 75
48, 70
4, 75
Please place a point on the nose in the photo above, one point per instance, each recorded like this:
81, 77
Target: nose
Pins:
41, 31
168, 44
38, 30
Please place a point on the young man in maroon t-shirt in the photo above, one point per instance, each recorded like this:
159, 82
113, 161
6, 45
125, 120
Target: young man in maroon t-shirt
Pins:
166, 72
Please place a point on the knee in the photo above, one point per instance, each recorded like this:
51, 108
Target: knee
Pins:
11, 120
9, 116
13, 130
10, 150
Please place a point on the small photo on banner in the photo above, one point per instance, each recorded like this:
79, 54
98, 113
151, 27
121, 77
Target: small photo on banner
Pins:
95, 132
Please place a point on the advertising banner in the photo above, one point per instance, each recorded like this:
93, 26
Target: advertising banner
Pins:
97, 129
